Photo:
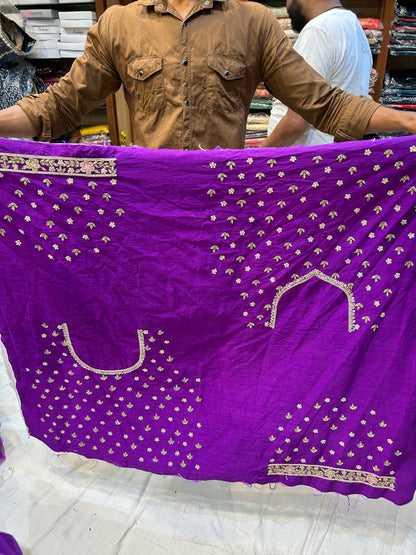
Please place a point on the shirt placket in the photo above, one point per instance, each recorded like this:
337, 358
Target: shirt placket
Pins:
187, 90
186, 86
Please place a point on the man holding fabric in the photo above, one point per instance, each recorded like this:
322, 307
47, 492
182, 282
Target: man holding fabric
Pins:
189, 69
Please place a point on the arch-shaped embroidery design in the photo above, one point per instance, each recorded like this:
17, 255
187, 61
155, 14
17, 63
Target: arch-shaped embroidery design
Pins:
68, 343
328, 279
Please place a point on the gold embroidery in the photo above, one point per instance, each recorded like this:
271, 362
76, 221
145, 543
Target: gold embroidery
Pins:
332, 474
137, 365
316, 273
53, 165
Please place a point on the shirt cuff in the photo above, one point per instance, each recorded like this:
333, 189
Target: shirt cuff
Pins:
38, 115
355, 119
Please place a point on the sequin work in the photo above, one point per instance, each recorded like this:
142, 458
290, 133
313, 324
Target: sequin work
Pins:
233, 315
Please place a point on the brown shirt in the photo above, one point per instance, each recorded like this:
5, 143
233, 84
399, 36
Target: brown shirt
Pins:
189, 83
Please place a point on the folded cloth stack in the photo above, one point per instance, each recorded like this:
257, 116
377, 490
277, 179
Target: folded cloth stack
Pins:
373, 81
256, 129
283, 18
399, 89
403, 34
373, 30
258, 120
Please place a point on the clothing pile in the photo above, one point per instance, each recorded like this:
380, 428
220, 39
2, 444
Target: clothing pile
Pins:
373, 81
403, 34
17, 76
399, 92
399, 89
283, 18
258, 119
373, 31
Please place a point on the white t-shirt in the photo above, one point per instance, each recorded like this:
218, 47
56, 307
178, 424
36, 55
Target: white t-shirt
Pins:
335, 45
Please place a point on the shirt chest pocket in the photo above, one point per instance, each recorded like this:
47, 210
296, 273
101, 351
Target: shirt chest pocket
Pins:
226, 83
146, 85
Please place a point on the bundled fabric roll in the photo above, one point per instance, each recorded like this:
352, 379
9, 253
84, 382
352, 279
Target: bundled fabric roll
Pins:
15, 43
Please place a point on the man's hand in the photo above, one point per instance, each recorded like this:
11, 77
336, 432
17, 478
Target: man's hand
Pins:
390, 120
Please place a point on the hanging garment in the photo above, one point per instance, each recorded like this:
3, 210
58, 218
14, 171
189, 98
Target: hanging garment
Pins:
239, 315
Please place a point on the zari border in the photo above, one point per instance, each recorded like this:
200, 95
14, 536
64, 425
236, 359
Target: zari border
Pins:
333, 474
68, 343
58, 165
317, 273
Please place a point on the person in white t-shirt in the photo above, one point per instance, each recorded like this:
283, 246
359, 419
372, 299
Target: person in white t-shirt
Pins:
332, 41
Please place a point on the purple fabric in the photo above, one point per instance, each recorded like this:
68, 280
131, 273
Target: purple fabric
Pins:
235, 315
8, 545
2, 454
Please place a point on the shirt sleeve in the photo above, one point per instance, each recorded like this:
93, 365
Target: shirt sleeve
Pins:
295, 83
90, 80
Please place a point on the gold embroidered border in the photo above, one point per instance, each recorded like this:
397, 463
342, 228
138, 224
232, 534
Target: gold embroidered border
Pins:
58, 165
71, 349
317, 273
333, 474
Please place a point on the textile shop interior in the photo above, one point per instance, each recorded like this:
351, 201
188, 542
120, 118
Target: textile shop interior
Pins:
64, 503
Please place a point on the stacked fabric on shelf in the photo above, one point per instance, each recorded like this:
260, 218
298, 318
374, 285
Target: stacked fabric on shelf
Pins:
373, 30
399, 89
283, 18
373, 80
262, 99
403, 34
258, 120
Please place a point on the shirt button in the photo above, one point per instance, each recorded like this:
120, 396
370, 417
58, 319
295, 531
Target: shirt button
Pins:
186, 102
160, 6
185, 62
227, 73
207, 2
184, 24
141, 73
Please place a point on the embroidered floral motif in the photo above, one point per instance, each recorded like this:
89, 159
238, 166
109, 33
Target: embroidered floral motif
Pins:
51, 165
333, 474
316, 225
209, 267
147, 417
331, 435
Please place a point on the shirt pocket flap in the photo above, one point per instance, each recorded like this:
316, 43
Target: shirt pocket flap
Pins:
143, 68
229, 68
